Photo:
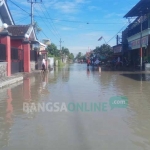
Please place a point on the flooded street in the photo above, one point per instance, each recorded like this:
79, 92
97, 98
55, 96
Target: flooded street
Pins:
98, 125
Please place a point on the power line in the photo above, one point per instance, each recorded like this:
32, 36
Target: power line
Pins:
116, 34
75, 21
45, 34
32, 3
49, 22
85, 22
19, 7
45, 24
27, 13
88, 29
22, 19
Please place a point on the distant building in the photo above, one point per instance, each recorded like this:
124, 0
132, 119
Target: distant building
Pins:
46, 41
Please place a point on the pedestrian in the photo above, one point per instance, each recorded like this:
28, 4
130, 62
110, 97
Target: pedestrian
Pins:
88, 62
43, 65
97, 62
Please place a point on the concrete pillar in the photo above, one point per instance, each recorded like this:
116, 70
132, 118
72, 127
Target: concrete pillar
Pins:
5, 39
26, 49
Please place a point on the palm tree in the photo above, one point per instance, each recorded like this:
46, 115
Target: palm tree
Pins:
36, 27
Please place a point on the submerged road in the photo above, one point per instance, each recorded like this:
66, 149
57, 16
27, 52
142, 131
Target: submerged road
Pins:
77, 109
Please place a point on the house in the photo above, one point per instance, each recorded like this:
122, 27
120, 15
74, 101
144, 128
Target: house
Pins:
17, 42
136, 36
46, 41
5, 15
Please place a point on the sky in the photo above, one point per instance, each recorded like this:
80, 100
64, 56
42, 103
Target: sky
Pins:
79, 23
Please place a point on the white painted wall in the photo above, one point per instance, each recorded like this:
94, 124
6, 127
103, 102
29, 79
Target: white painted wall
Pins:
51, 61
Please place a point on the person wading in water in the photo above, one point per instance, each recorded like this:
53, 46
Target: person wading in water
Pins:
88, 62
43, 65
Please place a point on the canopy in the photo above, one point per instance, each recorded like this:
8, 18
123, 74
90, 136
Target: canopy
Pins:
141, 8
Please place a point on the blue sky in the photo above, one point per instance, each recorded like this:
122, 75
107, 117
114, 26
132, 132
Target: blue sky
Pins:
79, 23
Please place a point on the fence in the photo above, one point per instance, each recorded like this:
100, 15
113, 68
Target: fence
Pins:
14, 54
17, 60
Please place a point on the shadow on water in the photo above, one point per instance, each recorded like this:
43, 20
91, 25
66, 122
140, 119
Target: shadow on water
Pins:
138, 76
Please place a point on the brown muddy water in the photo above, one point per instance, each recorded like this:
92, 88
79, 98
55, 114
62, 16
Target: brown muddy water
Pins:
95, 111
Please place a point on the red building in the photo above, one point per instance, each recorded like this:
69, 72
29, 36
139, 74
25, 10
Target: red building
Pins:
17, 44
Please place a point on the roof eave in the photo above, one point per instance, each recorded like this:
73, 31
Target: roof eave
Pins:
130, 13
10, 13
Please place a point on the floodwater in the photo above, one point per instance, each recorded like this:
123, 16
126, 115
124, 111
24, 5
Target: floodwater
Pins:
98, 124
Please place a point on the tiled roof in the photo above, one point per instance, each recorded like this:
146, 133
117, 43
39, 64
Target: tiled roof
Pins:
18, 30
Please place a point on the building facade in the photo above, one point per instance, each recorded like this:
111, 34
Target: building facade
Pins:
136, 37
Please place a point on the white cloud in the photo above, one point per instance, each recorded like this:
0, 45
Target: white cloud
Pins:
113, 15
94, 8
67, 28
68, 6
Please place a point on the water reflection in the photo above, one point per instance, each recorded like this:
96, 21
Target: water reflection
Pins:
11, 103
88, 72
6, 111
76, 130
138, 76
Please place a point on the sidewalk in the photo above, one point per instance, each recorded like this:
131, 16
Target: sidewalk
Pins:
17, 77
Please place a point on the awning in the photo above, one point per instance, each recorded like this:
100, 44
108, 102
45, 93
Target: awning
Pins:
142, 7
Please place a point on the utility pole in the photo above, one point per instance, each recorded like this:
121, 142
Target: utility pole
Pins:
141, 54
31, 12
60, 43
32, 2
117, 39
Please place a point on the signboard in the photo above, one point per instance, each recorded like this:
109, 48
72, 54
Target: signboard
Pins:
136, 43
117, 49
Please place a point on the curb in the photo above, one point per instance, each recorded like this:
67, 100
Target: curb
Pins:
11, 81
16, 78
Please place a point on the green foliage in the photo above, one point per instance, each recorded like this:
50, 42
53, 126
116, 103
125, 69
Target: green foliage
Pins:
60, 63
36, 27
71, 56
57, 54
65, 51
104, 51
79, 55
52, 50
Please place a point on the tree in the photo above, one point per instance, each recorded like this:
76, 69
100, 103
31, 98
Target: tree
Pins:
79, 55
52, 49
65, 51
71, 56
104, 51
36, 27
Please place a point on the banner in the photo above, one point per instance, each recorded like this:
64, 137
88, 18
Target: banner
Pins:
117, 49
136, 43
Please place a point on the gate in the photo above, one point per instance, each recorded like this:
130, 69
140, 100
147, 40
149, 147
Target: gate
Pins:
33, 55
33, 59
17, 60
2, 53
